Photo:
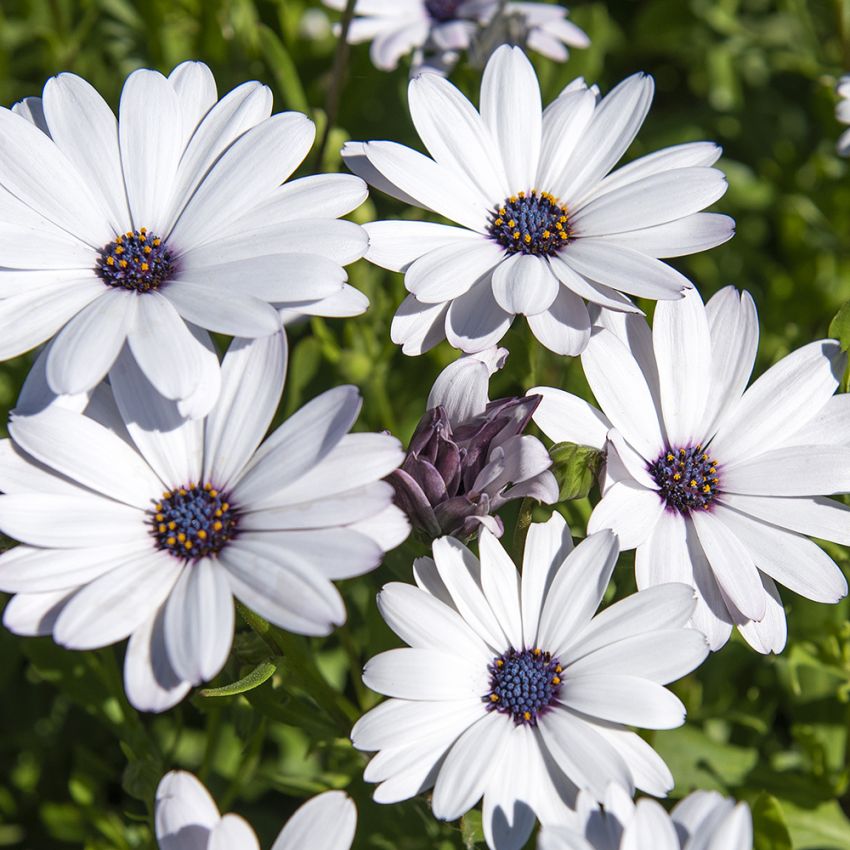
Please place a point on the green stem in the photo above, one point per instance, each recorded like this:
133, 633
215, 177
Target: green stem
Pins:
523, 522
335, 90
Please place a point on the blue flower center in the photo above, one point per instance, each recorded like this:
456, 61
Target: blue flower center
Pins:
523, 684
442, 10
686, 477
530, 223
136, 260
193, 521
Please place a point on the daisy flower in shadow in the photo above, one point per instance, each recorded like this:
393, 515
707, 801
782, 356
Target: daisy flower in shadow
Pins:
138, 523
187, 818
713, 483
514, 689
704, 820
154, 232
541, 224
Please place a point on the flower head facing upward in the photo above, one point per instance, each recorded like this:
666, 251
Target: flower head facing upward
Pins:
712, 483
704, 820
513, 690
438, 31
154, 232
468, 456
543, 226
187, 818
138, 523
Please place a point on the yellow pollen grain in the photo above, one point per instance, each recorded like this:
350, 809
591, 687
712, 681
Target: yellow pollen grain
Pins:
181, 537
500, 663
225, 506
172, 525
558, 668
712, 470
670, 457
526, 715
511, 223
123, 264
129, 234
162, 528
182, 492
499, 222
110, 261
538, 651
706, 488
208, 486
217, 526
677, 476
213, 493
693, 483
516, 234
148, 249
166, 494
157, 242
527, 238
187, 544
170, 541
494, 697
202, 535
145, 267
556, 680
546, 234
159, 517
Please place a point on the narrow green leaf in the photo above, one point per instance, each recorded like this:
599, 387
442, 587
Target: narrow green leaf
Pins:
286, 74
575, 467
839, 327
260, 674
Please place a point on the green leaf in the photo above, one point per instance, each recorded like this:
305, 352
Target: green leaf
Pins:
575, 467
286, 74
823, 828
260, 674
839, 327
769, 825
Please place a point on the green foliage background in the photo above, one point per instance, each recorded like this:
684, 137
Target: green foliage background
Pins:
78, 767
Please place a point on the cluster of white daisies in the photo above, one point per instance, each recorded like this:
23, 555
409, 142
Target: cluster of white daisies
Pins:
146, 499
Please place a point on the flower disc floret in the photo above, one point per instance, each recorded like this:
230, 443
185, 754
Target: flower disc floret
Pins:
686, 477
523, 684
442, 10
530, 223
135, 260
193, 522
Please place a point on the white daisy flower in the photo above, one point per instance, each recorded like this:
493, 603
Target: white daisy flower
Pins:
542, 27
704, 820
398, 27
138, 523
712, 483
187, 818
162, 225
542, 228
513, 690
842, 114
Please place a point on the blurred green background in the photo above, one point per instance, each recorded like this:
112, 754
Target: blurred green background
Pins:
78, 767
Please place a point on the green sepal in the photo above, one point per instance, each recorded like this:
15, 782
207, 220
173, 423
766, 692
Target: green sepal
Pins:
575, 467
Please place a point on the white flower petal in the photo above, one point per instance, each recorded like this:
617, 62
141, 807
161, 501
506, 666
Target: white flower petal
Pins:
299, 444
84, 128
623, 268
87, 346
327, 822
462, 388
683, 354
316, 196
626, 699
29, 319
355, 157
87, 453
460, 572
422, 621
546, 548
199, 622
470, 763
500, 583
395, 245
651, 829
511, 109
648, 769
431, 185
583, 754
184, 811
524, 284
150, 150
27, 569
149, 679
233, 313
564, 122
770, 633
576, 591
457, 137
252, 376
817, 516
830, 427
35, 614
791, 559
564, 417
418, 327
451, 270
790, 471
172, 445
621, 389
114, 605
732, 564
628, 510
475, 321
196, 94
245, 174
689, 235
565, 326
780, 402
636, 466
54, 189
231, 832
425, 674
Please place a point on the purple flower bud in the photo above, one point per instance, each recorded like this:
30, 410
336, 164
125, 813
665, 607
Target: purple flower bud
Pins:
454, 479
